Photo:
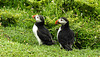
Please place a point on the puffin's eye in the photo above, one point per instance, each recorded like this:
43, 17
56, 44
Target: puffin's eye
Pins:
37, 17
61, 20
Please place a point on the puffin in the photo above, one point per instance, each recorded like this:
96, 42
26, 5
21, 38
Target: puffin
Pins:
41, 32
65, 35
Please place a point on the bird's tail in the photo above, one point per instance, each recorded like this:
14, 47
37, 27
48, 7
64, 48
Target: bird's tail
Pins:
68, 47
50, 42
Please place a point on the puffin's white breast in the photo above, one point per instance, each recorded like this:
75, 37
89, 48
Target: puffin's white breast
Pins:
35, 28
58, 32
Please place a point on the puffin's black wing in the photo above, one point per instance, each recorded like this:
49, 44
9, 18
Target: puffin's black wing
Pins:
44, 35
66, 39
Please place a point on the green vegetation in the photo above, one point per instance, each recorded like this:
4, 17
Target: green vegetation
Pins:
15, 49
16, 22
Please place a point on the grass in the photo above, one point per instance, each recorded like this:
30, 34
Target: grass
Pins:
17, 40
20, 42
14, 49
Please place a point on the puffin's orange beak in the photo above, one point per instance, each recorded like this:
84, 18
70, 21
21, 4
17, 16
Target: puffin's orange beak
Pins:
56, 22
34, 16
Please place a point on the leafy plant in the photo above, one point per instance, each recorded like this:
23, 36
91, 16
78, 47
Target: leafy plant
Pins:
8, 18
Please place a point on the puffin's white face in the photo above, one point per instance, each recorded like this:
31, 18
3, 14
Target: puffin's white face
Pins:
62, 21
37, 18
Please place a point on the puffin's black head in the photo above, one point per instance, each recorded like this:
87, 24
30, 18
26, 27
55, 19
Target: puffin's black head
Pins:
62, 21
38, 18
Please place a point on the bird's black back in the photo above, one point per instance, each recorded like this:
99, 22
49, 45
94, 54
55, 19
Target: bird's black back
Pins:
44, 34
66, 35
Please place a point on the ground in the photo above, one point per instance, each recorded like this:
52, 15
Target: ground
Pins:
10, 48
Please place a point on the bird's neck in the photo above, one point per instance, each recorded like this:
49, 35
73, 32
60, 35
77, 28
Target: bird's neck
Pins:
39, 23
65, 26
